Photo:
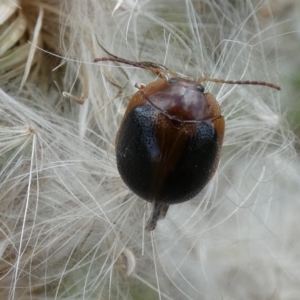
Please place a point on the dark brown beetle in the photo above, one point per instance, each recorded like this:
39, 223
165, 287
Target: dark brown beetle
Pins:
169, 141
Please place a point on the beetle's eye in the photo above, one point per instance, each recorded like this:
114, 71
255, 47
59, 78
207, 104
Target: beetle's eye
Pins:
200, 88
173, 80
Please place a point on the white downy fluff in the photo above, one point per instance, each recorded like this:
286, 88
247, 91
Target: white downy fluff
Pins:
71, 229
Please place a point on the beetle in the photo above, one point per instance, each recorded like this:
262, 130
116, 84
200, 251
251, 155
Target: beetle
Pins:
169, 142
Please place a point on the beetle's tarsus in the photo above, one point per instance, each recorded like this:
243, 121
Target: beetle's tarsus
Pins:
159, 212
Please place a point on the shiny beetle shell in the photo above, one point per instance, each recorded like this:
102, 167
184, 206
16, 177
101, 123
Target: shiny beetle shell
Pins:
169, 142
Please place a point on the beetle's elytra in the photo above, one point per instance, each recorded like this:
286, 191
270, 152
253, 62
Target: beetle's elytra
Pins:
170, 138
169, 141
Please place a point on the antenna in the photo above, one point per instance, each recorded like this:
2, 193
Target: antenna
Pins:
271, 85
162, 71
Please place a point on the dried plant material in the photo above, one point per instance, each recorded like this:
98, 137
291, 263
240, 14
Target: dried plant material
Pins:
33, 47
7, 9
13, 33
70, 228
28, 27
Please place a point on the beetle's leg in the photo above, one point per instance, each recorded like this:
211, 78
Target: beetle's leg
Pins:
140, 87
159, 212
85, 88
